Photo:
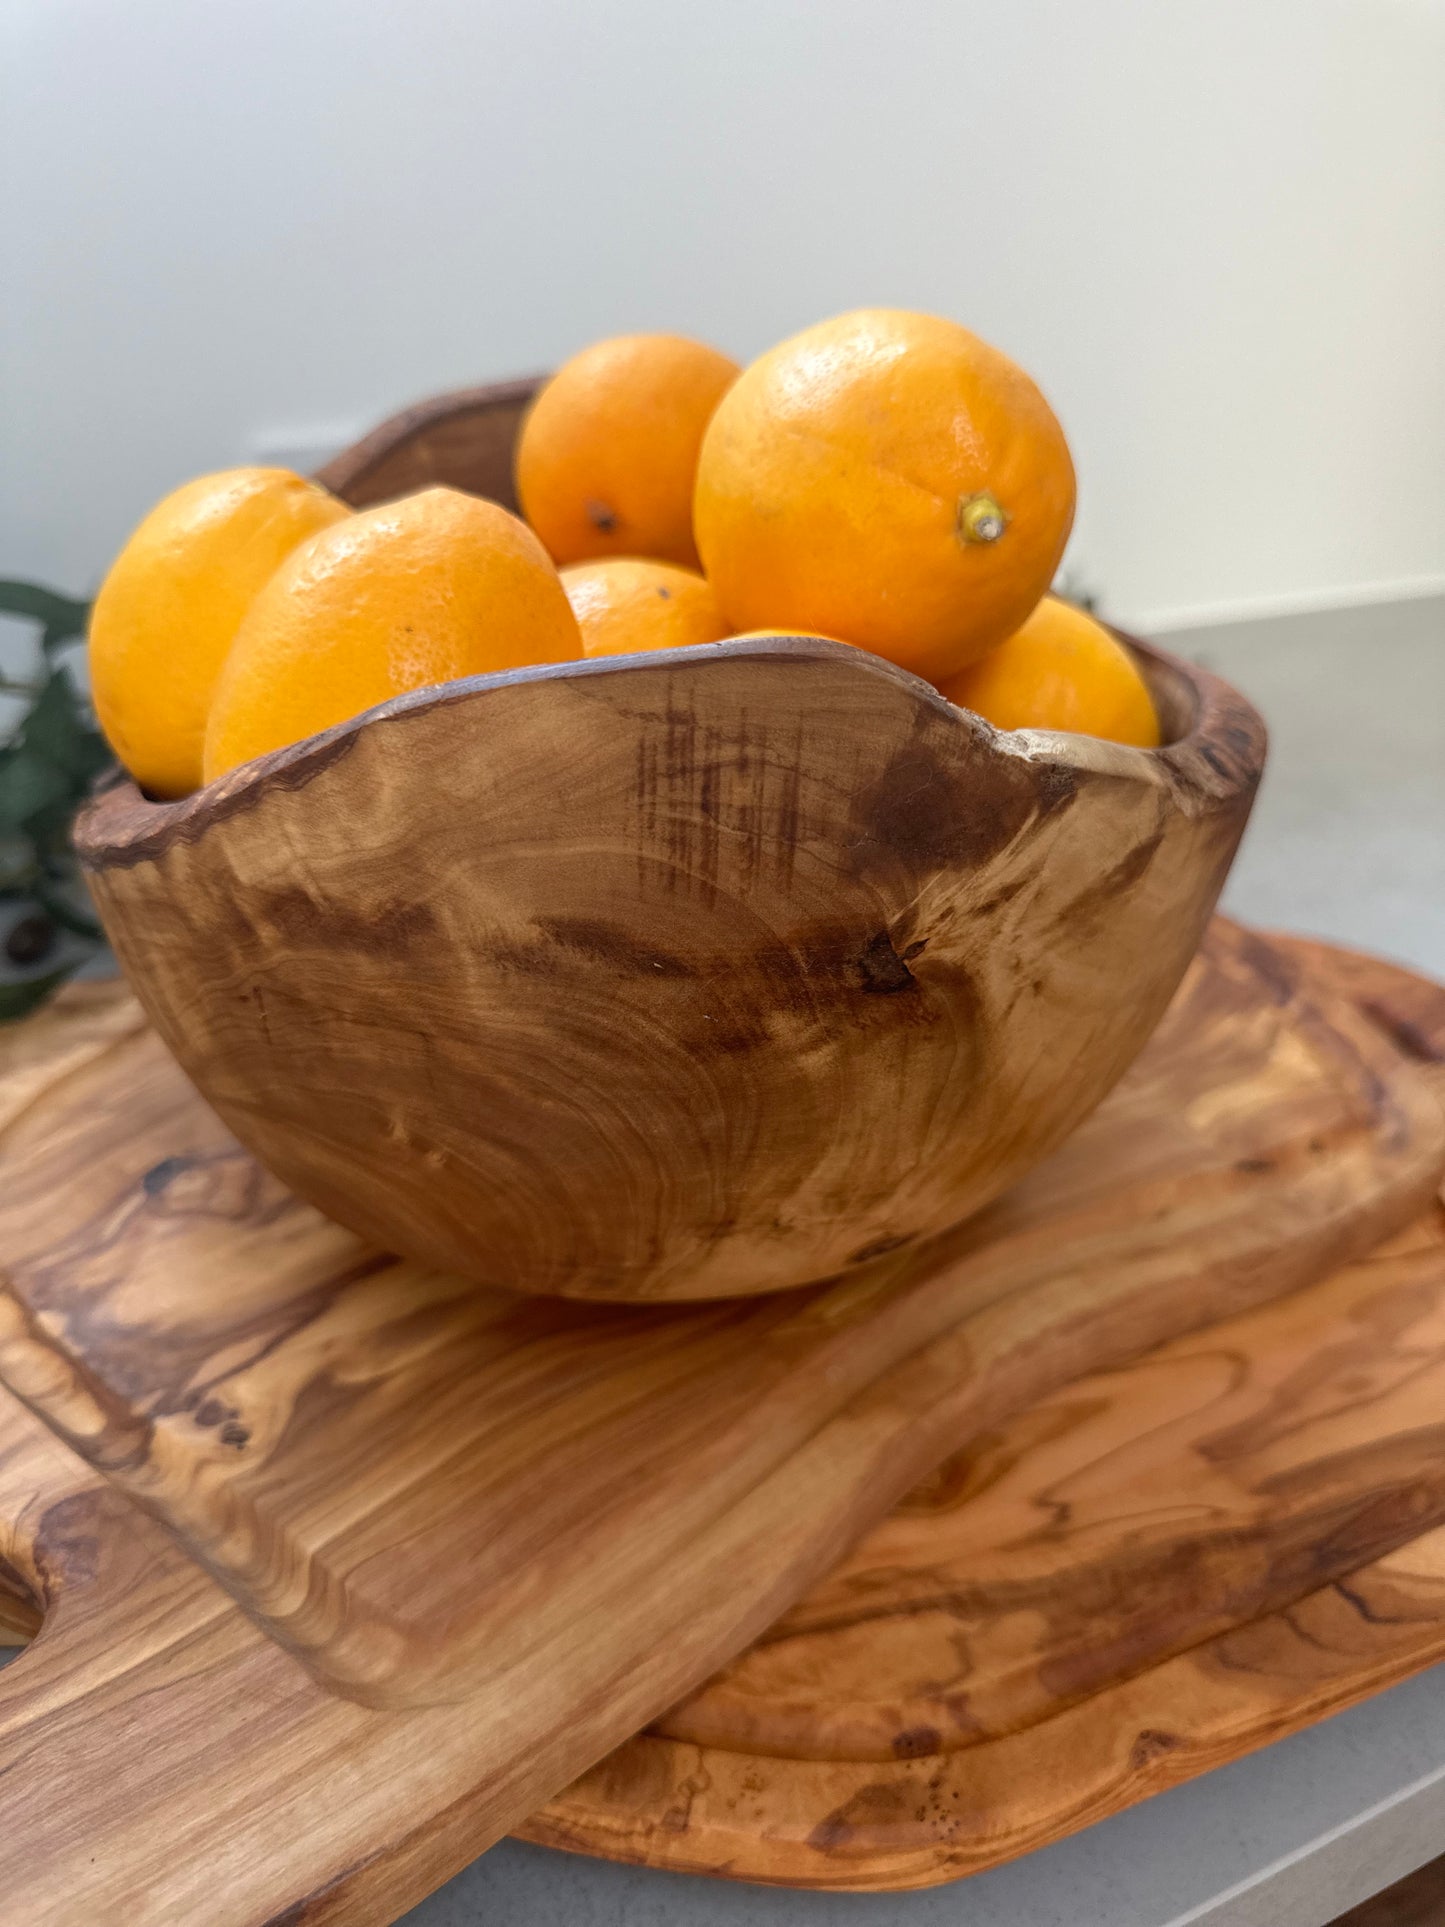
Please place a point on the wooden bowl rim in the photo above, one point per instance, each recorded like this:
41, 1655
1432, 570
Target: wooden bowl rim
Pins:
1218, 751
379, 444
1216, 745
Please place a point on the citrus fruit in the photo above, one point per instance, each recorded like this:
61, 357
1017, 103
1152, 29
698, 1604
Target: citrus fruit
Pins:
168, 610
625, 604
1061, 670
889, 478
607, 455
399, 597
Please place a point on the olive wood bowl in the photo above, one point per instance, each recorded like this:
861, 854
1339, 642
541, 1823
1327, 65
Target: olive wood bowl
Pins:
685, 975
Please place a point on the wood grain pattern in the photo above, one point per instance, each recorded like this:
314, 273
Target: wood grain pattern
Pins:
1150, 1572
1307, 1137
863, 1826
443, 1548
675, 977
1117, 1523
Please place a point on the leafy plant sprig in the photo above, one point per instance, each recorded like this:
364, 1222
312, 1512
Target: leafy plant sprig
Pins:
49, 758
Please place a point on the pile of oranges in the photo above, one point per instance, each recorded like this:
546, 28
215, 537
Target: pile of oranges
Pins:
884, 479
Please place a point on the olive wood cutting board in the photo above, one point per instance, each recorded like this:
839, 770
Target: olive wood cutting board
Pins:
1148, 1573
345, 1568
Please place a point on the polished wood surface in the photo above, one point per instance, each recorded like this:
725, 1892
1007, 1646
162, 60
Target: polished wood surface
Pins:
1151, 1572
695, 975
1121, 1521
369, 1563
670, 978
867, 1826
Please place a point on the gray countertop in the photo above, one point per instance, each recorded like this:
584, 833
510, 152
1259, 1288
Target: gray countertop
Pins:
1348, 843
1287, 1838
1348, 836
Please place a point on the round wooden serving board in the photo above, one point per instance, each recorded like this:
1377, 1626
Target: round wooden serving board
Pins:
1151, 1572
344, 1568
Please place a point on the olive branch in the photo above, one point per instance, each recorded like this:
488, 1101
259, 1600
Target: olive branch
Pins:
49, 758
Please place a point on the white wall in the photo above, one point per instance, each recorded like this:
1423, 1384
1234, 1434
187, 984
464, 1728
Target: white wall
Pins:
1211, 228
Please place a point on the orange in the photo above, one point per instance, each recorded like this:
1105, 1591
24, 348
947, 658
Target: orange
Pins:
626, 604
170, 607
889, 478
1061, 670
416, 592
607, 455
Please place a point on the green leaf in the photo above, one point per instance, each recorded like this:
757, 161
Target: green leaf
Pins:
18, 999
61, 615
58, 730
54, 720
30, 785
19, 864
55, 635
61, 910
94, 755
49, 830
